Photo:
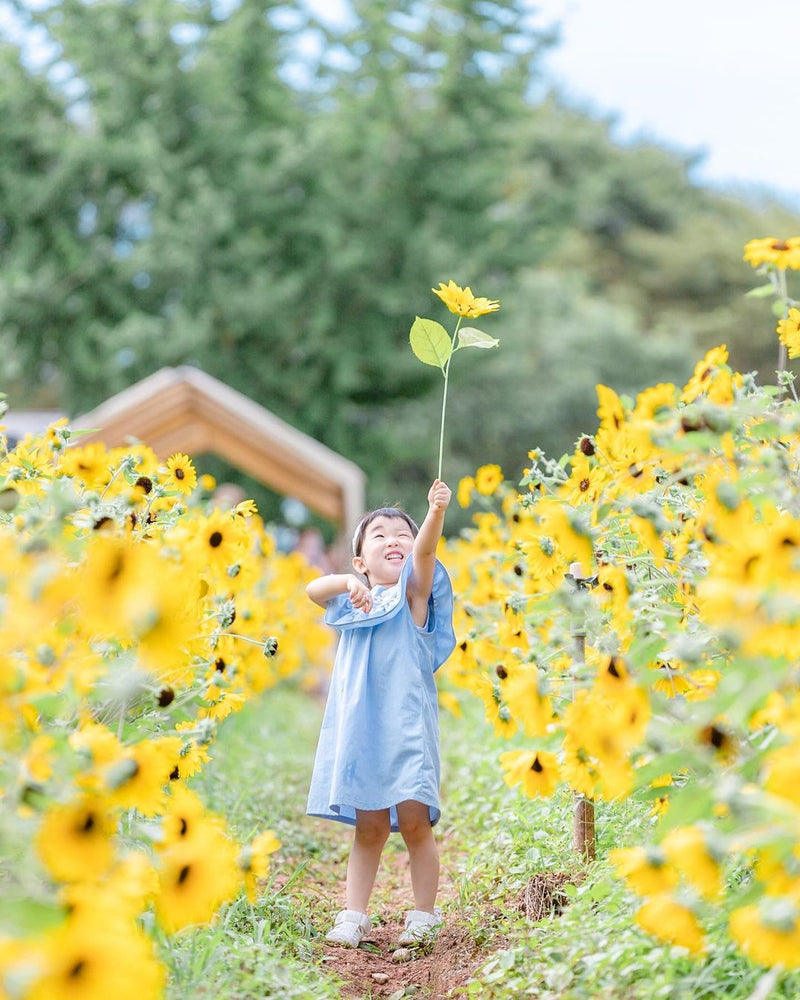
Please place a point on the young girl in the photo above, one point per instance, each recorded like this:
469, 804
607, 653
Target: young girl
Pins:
377, 764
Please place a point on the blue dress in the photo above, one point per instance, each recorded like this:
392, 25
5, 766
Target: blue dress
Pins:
379, 742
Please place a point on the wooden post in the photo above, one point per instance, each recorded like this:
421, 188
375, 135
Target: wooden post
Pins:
583, 832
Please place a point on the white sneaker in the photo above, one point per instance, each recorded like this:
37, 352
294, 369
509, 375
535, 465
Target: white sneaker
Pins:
348, 928
421, 927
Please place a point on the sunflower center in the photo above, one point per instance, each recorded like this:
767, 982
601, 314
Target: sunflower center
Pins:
536, 766
584, 485
77, 969
184, 874
215, 540
88, 824
184, 827
115, 570
180, 474
780, 245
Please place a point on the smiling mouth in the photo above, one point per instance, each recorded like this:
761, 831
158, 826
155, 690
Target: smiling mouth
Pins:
395, 556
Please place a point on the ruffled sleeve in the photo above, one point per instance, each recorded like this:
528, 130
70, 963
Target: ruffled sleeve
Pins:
387, 602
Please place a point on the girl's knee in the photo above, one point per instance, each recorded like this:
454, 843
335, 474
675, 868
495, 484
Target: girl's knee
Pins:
415, 826
373, 829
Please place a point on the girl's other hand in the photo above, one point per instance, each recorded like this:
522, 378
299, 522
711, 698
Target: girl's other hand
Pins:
359, 594
439, 495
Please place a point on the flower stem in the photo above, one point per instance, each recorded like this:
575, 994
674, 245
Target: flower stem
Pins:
784, 298
446, 373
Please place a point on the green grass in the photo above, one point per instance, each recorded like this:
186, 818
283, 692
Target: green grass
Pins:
493, 842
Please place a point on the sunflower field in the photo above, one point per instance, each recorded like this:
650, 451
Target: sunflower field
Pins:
131, 626
630, 618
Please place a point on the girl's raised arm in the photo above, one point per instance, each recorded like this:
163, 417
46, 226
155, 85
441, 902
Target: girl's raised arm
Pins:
421, 582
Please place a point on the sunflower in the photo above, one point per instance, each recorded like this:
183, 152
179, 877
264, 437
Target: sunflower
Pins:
196, 876
536, 770
185, 814
644, 869
789, 332
123, 892
711, 377
782, 772
113, 581
37, 763
462, 302
577, 768
194, 753
96, 958
771, 250
532, 709
687, 849
496, 710
464, 493
137, 779
89, 465
769, 933
221, 539
182, 475
74, 840
247, 508
669, 921
487, 479
254, 861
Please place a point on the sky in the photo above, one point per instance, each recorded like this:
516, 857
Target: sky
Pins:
717, 77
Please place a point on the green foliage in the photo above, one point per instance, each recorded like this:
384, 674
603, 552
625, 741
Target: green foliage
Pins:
430, 342
186, 184
494, 841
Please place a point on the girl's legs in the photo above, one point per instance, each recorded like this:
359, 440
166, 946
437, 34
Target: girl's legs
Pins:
415, 827
372, 831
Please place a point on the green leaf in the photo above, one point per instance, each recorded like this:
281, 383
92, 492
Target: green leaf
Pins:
761, 292
28, 916
470, 337
779, 308
430, 342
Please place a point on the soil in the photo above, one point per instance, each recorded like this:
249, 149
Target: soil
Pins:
435, 971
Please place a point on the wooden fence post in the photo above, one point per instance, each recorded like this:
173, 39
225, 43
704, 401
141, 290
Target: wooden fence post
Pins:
583, 831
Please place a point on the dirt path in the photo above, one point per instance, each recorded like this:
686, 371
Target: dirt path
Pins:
369, 971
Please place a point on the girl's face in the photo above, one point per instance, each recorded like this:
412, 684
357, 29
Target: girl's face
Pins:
387, 544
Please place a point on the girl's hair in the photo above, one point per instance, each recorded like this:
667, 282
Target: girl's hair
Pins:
367, 519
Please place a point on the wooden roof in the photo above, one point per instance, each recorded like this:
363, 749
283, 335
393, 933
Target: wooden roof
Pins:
184, 409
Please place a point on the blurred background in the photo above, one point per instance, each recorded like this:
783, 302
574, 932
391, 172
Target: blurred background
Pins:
268, 191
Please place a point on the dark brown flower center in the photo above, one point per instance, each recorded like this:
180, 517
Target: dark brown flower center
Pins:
215, 540
536, 766
183, 874
180, 474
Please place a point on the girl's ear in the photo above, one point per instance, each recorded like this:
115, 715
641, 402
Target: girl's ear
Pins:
359, 565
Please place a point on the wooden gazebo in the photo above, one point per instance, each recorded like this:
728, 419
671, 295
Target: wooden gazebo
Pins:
184, 409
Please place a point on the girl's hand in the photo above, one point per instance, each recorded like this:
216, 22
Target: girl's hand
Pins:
359, 594
439, 495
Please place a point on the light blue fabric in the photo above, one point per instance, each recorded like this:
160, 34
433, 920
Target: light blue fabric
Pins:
379, 742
